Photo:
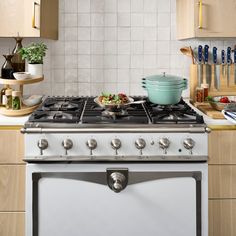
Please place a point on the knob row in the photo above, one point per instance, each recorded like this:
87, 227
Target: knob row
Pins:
140, 144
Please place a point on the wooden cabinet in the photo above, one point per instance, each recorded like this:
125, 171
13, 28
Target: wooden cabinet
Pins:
222, 183
29, 18
12, 182
205, 18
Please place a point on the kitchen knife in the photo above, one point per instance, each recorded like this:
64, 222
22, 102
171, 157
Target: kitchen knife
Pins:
216, 69
235, 66
229, 61
200, 66
208, 67
223, 62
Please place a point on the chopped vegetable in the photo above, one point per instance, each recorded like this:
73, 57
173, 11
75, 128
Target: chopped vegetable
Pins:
113, 99
209, 99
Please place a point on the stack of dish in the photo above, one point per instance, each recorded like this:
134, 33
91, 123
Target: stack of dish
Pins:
164, 89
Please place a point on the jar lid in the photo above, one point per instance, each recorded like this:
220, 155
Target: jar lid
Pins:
8, 92
16, 93
204, 85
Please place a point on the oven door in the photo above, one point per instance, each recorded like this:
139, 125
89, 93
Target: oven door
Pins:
103, 200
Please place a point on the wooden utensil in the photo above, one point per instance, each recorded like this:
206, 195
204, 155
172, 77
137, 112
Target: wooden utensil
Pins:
188, 51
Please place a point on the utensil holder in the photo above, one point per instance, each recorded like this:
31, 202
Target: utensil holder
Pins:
225, 88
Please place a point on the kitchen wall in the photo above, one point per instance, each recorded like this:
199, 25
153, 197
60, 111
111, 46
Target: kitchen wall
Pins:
109, 45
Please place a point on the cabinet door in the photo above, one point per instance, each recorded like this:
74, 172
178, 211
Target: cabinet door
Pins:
218, 18
32, 12
11, 18
12, 223
222, 147
11, 147
222, 217
12, 188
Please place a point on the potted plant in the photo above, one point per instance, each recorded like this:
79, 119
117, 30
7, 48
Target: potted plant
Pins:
34, 54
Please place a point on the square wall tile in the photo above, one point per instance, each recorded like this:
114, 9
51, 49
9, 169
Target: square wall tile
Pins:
110, 19
71, 75
97, 5
150, 5
84, 75
110, 75
83, 6
71, 20
110, 5
110, 47
110, 33
84, 89
123, 5
83, 19
123, 19
71, 34
71, 47
97, 19
97, 47
71, 6
123, 47
71, 89
97, 75
123, 33
83, 47
136, 5
84, 61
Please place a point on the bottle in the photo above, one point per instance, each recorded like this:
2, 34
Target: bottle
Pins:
7, 69
199, 94
16, 100
8, 95
3, 93
18, 63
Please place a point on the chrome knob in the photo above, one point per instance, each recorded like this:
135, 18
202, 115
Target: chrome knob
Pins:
118, 181
189, 144
164, 143
91, 144
140, 144
116, 144
42, 145
67, 144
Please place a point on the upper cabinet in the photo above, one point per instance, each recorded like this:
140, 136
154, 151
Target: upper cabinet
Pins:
205, 18
28, 18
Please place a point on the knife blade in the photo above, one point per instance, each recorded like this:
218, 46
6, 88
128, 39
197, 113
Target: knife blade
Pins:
208, 67
200, 66
216, 69
235, 66
223, 62
229, 61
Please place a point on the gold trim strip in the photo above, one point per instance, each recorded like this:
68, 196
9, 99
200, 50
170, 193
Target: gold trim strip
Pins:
10, 127
222, 127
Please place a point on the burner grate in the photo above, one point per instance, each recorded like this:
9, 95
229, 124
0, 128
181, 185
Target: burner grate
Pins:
180, 113
94, 114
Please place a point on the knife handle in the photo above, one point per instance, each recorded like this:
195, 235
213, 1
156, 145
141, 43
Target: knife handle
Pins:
200, 53
214, 55
234, 56
229, 55
206, 47
223, 56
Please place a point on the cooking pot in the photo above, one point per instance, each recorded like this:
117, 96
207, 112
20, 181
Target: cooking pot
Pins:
164, 79
166, 90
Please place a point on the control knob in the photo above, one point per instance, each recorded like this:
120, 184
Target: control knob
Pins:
189, 144
91, 144
140, 144
116, 144
42, 145
67, 144
164, 143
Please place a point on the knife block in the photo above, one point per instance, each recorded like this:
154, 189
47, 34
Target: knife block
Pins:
224, 89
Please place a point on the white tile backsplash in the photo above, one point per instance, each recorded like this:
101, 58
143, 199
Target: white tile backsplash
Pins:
109, 45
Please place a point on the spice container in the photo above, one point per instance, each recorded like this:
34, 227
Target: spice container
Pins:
205, 90
199, 94
8, 97
16, 100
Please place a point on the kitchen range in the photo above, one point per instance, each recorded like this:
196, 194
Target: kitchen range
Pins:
138, 171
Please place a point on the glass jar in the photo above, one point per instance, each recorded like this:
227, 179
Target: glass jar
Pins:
16, 100
7, 69
3, 93
8, 95
199, 94
18, 63
205, 90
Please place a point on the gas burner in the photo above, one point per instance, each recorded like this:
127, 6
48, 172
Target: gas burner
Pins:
94, 114
59, 110
180, 113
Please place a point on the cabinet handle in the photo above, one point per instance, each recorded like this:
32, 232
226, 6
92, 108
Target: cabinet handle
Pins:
34, 13
200, 15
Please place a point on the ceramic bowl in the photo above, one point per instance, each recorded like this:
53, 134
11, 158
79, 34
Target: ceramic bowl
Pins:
32, 100
219, 106
21, 75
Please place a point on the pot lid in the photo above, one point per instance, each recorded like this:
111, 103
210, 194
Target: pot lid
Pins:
165, 79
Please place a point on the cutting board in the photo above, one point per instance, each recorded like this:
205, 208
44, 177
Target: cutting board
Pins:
209, 111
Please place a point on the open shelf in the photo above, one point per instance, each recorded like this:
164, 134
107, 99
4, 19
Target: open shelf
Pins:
24, 109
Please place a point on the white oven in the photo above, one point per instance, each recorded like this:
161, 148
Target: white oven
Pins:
102, 199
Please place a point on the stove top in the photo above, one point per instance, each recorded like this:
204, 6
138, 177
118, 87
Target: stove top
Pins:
84, 110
